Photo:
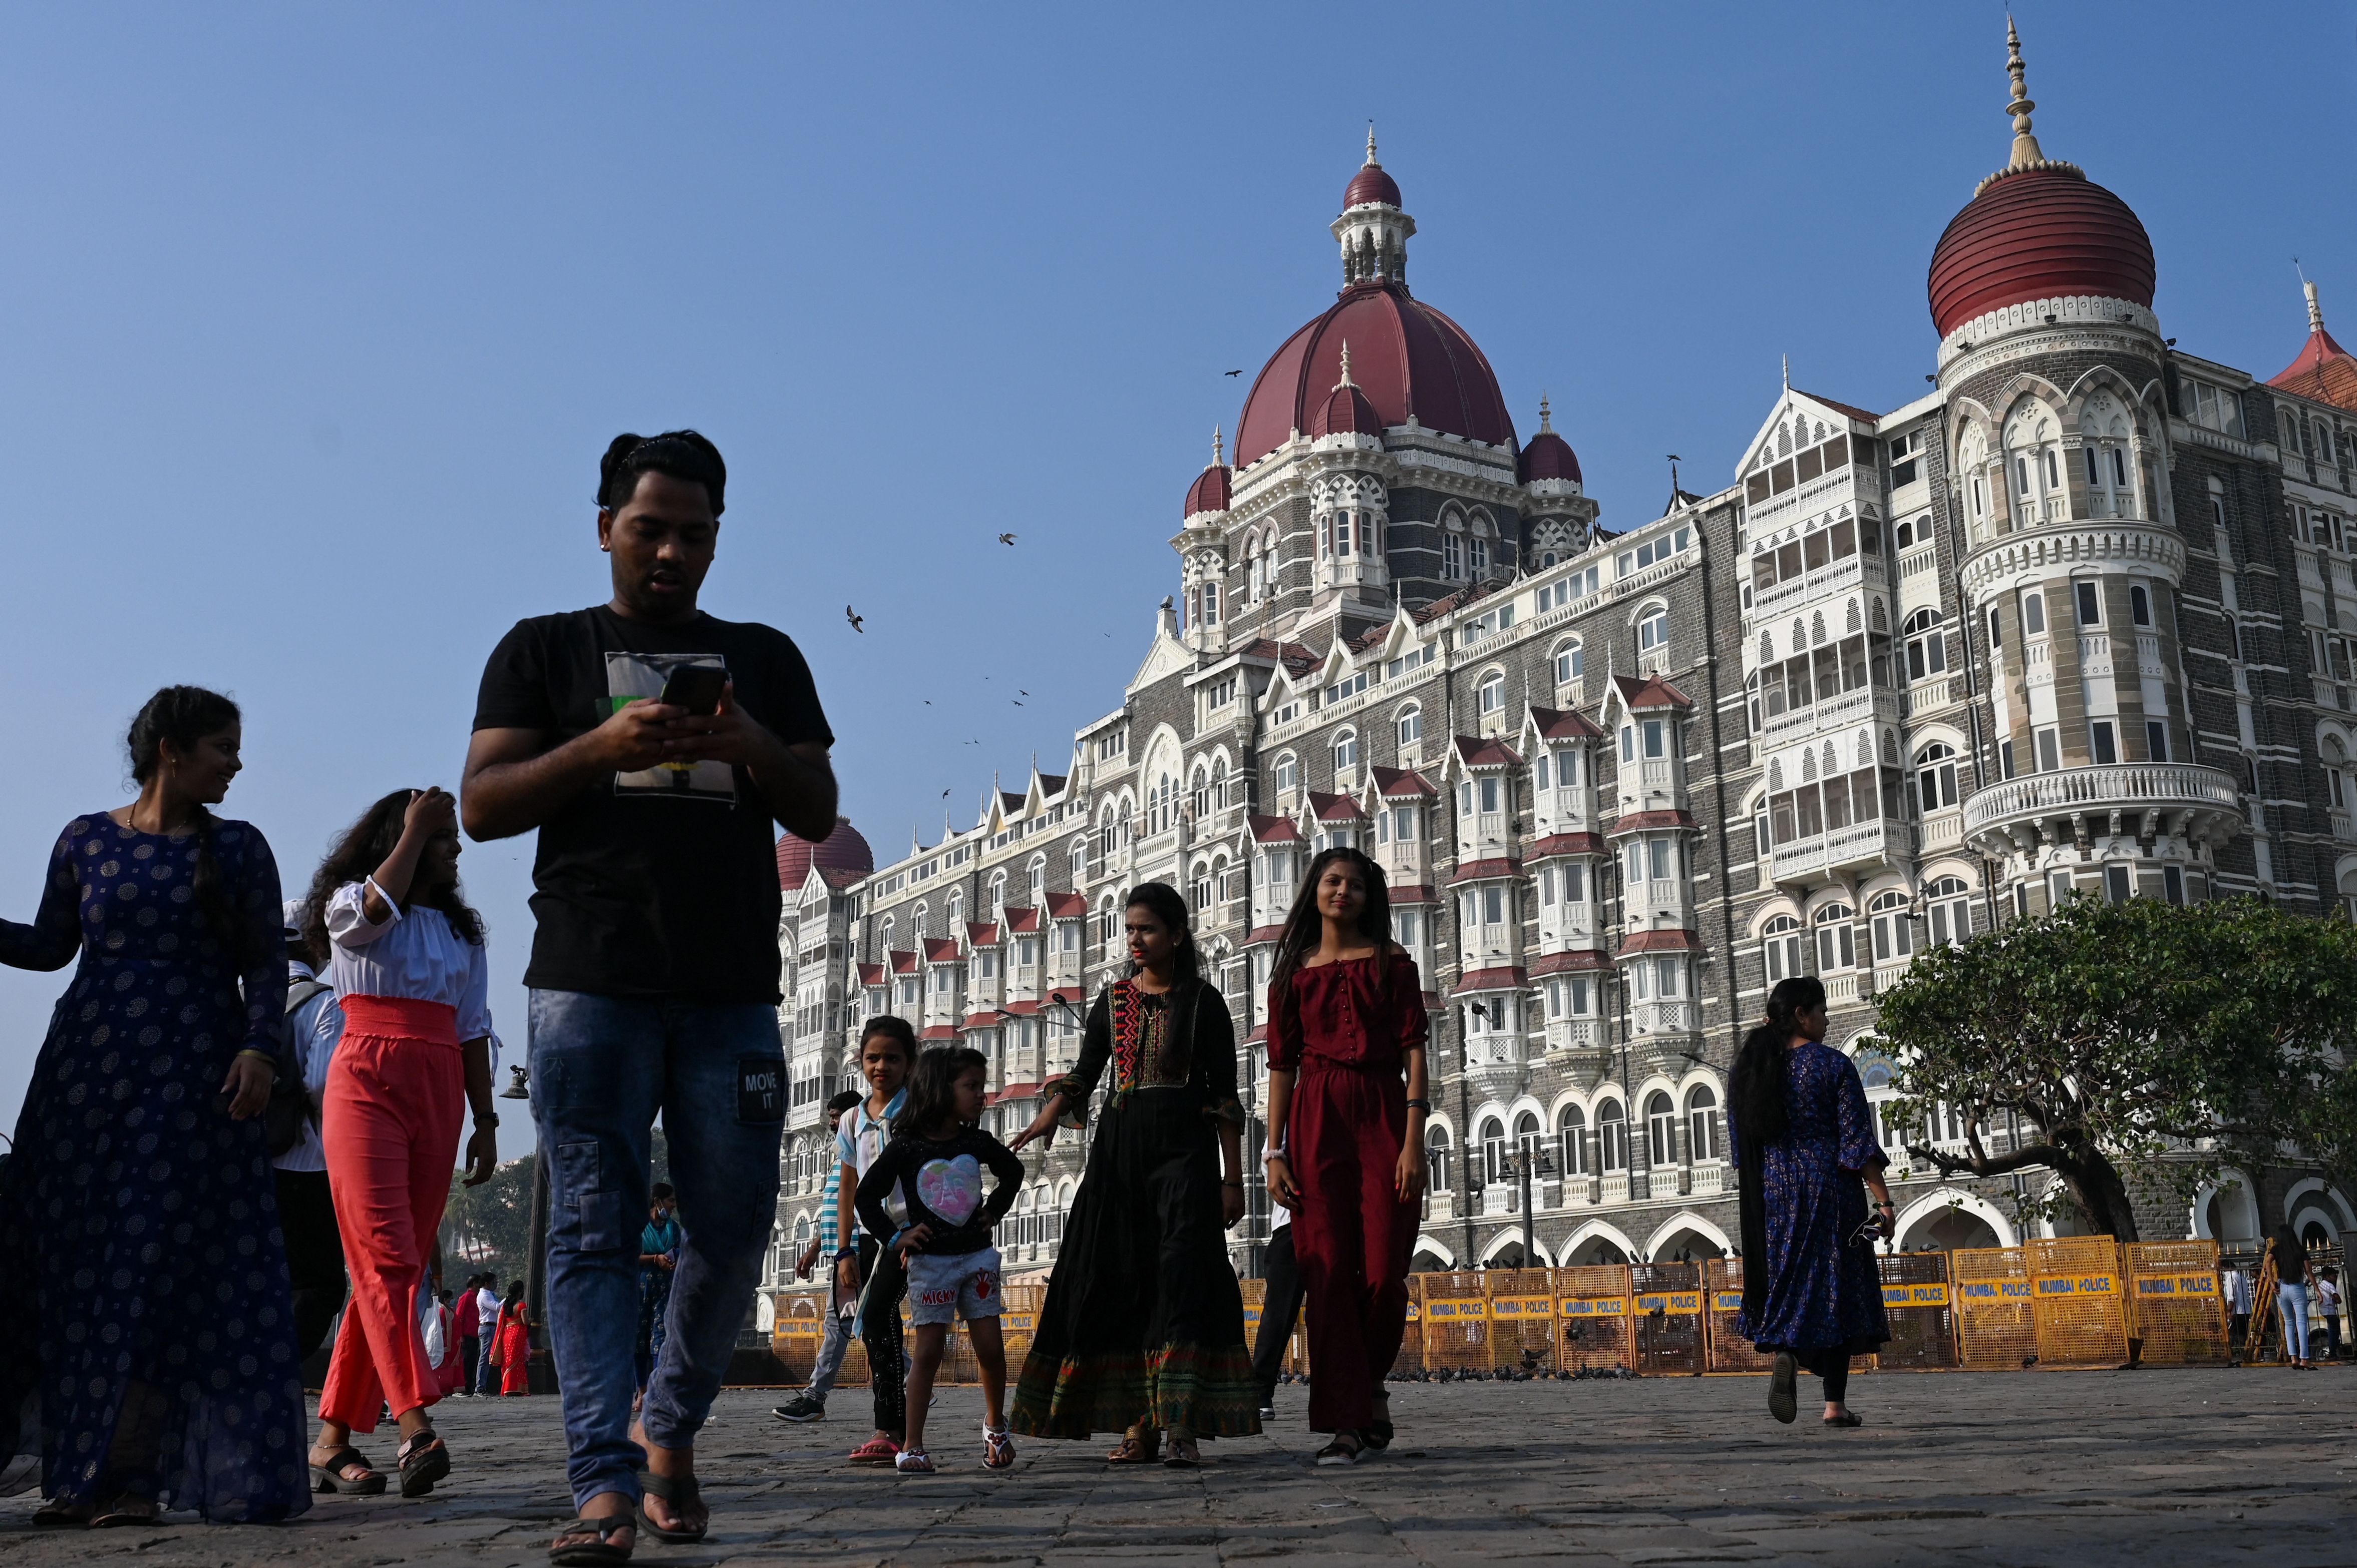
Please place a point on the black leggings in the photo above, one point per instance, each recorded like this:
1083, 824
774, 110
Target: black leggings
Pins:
315, 1254
1833, 1365
1278, 1310
879, 1309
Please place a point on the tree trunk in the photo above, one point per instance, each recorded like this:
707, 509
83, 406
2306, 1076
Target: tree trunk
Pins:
2095, 1182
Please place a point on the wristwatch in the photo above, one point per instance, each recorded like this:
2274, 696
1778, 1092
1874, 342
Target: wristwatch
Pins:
487, 1119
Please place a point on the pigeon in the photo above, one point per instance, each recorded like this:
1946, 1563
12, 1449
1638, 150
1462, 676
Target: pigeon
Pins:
1231, 372
1018, 704
945, 794
1007, 539
855, 621
1022, 692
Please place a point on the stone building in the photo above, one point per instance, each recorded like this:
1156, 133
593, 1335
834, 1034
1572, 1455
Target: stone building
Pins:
2077, 621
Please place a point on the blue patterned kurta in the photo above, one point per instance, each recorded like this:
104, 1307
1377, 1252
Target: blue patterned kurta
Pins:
138, 1221
1821, 1293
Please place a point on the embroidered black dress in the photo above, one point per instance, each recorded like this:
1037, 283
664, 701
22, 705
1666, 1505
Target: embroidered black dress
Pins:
1144, 1321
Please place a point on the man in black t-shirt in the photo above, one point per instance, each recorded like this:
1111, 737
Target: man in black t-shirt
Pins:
654, 959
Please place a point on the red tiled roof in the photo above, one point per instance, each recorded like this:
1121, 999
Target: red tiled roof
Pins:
1016, 1091
1476, 751
941, 949
1490, 979
1652, 691
1657, 942
1398, 781
1023, 1009
1335, 807
1637, 822
1850, 409
1259, 1033
1578, 961
1554, 844
2324, 370
1065, 994
1067, 905
981, 934
1485, 871
1472, 593
1260, 934
840, 877
939, 1032
1272, 829
1423, 892
1022, 919
871, 974
1565, 724
903, 963
980, 1021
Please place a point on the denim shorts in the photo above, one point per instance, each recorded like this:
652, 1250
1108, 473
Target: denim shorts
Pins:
943, 1290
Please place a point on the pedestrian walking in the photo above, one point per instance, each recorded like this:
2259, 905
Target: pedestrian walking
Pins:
924, 1196
2327, 1307
409, 967
511, 1342
466, 1314
1143, 1331
870, 1274
151, 1357
1280, 1308
2293, 1277
835, 1342
487, 1320
659, 1241
656, 749
1804, 1138
1347, 1101
307, 1210
447, 1377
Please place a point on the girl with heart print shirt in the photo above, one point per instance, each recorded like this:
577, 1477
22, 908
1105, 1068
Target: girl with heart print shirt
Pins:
924, 1192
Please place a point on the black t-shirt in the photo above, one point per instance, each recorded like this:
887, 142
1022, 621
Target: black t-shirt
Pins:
660, 883
939, 1183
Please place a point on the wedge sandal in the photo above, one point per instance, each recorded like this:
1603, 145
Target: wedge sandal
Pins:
330, 1477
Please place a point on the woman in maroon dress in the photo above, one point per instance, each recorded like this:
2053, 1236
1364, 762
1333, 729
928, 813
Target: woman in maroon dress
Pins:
1346, 1114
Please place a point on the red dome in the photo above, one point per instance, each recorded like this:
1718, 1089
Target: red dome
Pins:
1371, 184
1209, 491
843, 850
1345, 411
2039, 233
1406, 357
1549, 456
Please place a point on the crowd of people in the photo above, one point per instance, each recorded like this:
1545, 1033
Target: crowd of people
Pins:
243, 1101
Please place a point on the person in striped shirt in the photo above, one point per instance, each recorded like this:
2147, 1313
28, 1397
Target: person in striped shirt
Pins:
811, 1403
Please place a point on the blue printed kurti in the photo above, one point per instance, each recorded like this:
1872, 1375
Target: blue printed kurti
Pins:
148, 1276
1822, 1292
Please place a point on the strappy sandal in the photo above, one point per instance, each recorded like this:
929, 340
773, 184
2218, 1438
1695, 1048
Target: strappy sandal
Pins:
599, 1554
63, 1515
1379, 1433
125, 1509
913, 1462
1136, 1448
328, 1476
424, 1461
1847, 1418
998, 1449
1184, 1455
1346, 1449
683, 1494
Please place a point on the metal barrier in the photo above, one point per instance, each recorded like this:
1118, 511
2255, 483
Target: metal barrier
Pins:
2082, 1306
2175, 1306
1522, 1319
1920, 1302
1729, 1351
1996, 1309
1591, 1317
1456, 1323
1666, 1305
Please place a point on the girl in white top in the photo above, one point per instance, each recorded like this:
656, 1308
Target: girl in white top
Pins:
409, 967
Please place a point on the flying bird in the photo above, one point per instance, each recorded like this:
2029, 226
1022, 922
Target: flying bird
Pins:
1022, 692
855, 621
1231, 372
945, 794
1007, 539
1018, 704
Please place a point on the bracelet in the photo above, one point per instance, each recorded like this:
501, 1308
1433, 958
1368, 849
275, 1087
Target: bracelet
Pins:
487, 1119
1237, 1185
1423, 1105
259, 1054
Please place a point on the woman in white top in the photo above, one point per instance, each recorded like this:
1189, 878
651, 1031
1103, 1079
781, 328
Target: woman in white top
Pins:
408, 963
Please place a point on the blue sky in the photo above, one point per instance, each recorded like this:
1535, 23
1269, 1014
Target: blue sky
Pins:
314, 320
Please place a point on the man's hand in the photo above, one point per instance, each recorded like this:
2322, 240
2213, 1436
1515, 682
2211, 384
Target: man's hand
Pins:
248, 1086
634, 738
808, 1261
482, 1156
1232, 1205
1282, 1189
913, 1240
727, 734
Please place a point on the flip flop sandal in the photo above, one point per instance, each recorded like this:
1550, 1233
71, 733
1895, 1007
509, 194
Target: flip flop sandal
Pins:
1346, 1449
1184, 1455
125, 1511
1136, 1450
913, 1462
64, 1515
1784, 1398
875, 1451
681, 1495
599, 1553
998, 1450
424, 1461
329, 1476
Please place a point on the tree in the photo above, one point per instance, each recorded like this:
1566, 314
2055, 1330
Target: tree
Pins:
2119, 1033
491, 1224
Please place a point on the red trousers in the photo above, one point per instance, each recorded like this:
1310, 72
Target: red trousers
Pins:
396, 1093
1351, 1235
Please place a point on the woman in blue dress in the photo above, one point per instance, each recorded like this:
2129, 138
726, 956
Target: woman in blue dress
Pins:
1803, 1140
149, 1324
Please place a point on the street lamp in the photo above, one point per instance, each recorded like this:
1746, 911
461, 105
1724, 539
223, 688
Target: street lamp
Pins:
541, 1370
1529, 1158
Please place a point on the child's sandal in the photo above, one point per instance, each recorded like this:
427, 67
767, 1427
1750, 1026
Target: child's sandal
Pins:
913, 1462
998, 1449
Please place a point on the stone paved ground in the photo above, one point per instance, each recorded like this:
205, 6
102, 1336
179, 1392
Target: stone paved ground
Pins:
2077, 1468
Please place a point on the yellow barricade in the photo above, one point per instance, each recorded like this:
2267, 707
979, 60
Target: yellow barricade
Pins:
1665, 1299
1996, 1309
2174, 1303
1728, 1350
1411, 1353
2081, 1300
1920, 1302
1591, 1318
1456, 1323
1522, 1319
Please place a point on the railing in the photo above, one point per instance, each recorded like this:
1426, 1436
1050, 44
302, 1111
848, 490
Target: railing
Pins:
1571, 1034
1932, 695
1917, 562
1663, 1017
2150, 785
1614, 1188
2345, 825
1880, 839
1833, 713
1842, 987
1943, 829
1708, 1177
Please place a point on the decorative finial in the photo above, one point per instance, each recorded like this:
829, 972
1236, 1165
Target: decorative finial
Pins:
1546, 426
2026, 153
1370, 145
1788, 372
2315, 307
1219, 452
1346, 366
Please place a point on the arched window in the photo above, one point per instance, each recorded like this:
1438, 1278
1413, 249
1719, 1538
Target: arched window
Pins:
998, 896
1411, 725
1346, 751
1837, 938
1255, 575
1199, 895
1570, 662
1038, 880
1653, 631
1950, 903
1571, 1141
1491, 696
1612, 1137
1783, 947
1661, 1129
1702, 1123
1452, 548
1927, 645
1108, 924
1287, 772
1935, 776
1199, 792
1527, 1139
1220, 783
1493, 1150
1436, 1159
1894, 931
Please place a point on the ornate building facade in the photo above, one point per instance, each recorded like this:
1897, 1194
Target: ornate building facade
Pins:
2076, 622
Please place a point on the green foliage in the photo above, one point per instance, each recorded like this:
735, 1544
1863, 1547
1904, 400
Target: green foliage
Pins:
2116, 1033
495, 1217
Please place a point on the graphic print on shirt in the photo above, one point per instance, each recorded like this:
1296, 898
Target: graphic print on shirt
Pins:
951, 1188
628, 677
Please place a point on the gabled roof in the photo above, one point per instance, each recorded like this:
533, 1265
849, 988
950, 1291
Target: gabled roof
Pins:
1555, 844
1052, 783
1637, 822
1022, 919
1010, 801
1395, 782
1579, 961
1472, 593
902, 962
1067, 905
1650, 693
981, 934
1490, 979
1335, 807
1657, 942
837, 878
941, 949
1478, 751
1566, 724
1272, 829
1851, 408
871, 974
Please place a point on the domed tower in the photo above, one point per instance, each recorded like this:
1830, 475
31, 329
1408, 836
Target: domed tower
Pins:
1562, 518
2056, 427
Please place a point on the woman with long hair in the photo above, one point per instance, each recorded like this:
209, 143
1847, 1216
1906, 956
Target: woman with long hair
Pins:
511, 1342
151, 1348
2294, 1275
409, 965
1804, 1138
1143, 1331
1347, 1102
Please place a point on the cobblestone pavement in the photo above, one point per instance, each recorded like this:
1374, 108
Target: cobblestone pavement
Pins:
2075, 1468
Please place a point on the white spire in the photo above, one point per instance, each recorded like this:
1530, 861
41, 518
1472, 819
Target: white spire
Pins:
2026, 151
1371, 147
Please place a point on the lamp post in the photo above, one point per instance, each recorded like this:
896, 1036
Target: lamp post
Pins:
541, 1370
1529, 1159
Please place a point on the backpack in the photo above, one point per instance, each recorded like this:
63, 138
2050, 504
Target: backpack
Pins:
290, 1107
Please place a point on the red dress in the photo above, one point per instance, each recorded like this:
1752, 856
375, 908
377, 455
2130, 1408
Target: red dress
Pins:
1343, 1034
516, 1350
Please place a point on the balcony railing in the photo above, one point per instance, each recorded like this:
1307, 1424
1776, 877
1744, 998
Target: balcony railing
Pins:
2201, 800
1673, 1016
1883, 839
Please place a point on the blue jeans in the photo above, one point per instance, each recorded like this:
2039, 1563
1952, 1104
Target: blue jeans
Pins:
601, 1068
2291, 1300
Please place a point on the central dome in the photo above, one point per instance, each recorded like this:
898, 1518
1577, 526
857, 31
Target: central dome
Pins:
2049, 233
1410, 360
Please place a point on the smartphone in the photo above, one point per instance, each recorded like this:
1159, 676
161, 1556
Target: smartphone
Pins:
695, 687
